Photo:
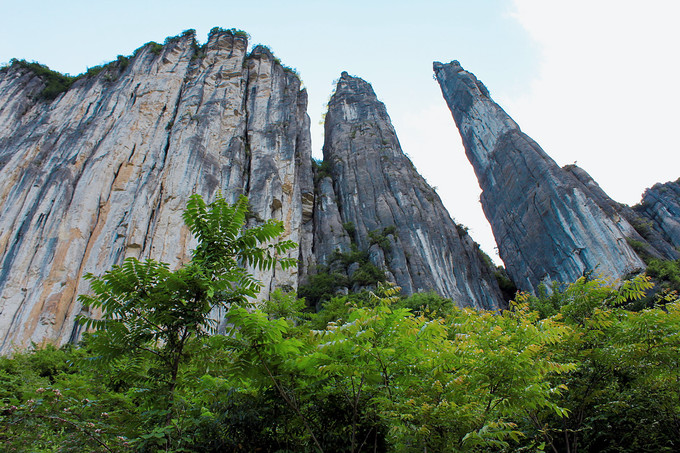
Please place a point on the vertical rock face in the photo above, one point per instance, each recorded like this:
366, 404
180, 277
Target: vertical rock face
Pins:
388, 209
103, 172
660, 207
549, 223
280, 182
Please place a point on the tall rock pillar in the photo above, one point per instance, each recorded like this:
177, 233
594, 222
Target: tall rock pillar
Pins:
392, 211
547, 223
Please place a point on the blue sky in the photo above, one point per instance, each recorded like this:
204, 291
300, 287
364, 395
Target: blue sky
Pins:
593, 81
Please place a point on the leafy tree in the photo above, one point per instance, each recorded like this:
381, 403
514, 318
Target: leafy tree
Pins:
623, 394
152, 313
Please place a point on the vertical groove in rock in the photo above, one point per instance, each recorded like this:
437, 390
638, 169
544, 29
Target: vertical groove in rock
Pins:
550, 223
395, 216
280, 155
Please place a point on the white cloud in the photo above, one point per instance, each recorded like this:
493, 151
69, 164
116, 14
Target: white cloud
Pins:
606, 94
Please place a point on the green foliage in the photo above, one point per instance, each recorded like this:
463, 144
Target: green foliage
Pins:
623, 394
666, 274
505, 283
154, 47
351, 230
152, 314
326, 283
570, 369
640, 248
233, 31
322, 169
55, 82
461, 229
642, 226
322, 286
381, 237
190, 33
50, 404
367, 274
429, 304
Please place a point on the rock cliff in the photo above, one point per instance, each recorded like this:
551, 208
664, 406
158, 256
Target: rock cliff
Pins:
660, 208
103, 171
549, 223
99, 169
387, 208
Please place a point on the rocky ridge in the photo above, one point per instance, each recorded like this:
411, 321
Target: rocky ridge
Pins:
550, 223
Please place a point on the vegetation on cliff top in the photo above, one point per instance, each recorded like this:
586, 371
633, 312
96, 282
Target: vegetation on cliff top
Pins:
57, 83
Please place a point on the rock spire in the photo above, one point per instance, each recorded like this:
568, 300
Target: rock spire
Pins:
550, 223
392, 212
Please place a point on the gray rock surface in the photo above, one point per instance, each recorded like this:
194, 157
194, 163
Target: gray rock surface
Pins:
549, 223
381, 195
636, 227
660, 208
103, 172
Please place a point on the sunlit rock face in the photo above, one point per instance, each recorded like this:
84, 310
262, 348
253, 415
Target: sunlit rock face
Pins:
380, 194
660, 207
549, 223
104, 171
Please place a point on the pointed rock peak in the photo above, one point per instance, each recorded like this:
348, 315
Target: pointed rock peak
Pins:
551, 224
349, 85
454, 66
453, 74
396, 219
261, 51
354, 101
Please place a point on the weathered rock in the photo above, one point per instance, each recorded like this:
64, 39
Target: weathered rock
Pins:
647, 241
280, 181
329, 233
660, 209
103, 172
393, 213
549, 223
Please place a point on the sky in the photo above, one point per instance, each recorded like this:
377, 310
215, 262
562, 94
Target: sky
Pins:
594, 82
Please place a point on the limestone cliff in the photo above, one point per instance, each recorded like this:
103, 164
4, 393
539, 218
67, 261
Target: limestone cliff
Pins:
103, 171
389, 210
549, 223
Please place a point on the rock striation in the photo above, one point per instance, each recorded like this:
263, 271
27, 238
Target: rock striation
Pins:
550, 223
103, 171
386, 208
660, 208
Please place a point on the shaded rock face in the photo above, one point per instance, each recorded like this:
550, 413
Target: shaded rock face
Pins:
103, 172
388, 208
549, 223
660, 208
